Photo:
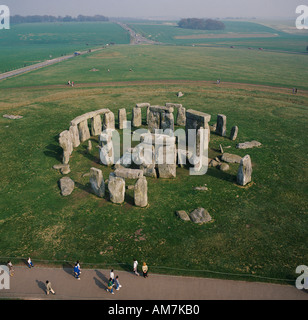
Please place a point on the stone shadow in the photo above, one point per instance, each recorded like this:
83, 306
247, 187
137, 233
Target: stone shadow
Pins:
54, 151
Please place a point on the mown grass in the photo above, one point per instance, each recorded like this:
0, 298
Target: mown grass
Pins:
172, 63
259, 230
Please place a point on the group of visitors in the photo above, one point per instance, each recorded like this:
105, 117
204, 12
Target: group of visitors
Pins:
113, 281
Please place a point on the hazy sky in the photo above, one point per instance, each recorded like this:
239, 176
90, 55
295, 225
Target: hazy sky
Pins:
157, 8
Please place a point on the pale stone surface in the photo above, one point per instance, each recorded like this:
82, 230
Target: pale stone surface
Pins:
128, 173
141, 192
109, 121
84, 132
96, 125
136, 117
231, 158
67, 186
166, 160
182, 215
244, 171
221, 125
97, 182
180, 94
122, 118
200, 215
153, 120
65, 170
74, 135
234, 133
65, 141
116, 187
224, 167
248, 144
106, 152
181, 117
89, 148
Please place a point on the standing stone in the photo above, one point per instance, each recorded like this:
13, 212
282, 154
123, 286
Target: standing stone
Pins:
96, 125
89, 146
166, 159
167, 121
144, 105
137, 117
97, 182
67, 186
234, 132
221, 125
181, 116
153, 121
84, 132
141, 192
122, 118
74, 135
65, 141
106, 152
244, 171
109, 121
116, 187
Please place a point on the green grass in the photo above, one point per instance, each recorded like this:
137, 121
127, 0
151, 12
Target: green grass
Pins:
170, 63
167, 33
258, 232
26, 44
35, 220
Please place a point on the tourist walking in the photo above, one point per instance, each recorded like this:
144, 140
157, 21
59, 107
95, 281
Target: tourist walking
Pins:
117, 283
111, 276
10, 266
49, 288
77, 271
110, 286
30, 264
135, 267
145, 270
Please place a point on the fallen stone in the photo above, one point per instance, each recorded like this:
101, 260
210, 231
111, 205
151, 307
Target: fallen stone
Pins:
201, 188
12, 117
231, 158
248, 144
182, 215
224, 167
213, 163
200, 215
180, 94
221, 149
65, 170
67, 186
128, 173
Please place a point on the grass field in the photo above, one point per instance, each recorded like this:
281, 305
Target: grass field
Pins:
26, 44
257, 233
239, 34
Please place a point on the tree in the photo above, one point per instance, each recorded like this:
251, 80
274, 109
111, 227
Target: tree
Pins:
201, 24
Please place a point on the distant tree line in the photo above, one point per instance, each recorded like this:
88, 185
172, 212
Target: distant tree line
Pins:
46, 18
201, 24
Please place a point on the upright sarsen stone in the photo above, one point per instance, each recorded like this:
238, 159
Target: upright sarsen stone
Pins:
96, 125
221, 125
97, 182
116, 187
244, 171
136, 117
234, 132
65, 141
109, 121
141, 192
84, 132
122, 118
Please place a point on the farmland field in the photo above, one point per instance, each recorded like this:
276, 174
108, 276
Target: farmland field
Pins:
258, 232
26, 44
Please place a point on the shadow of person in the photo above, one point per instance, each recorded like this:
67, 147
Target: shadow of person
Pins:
101, 281
41, 285
68, 268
